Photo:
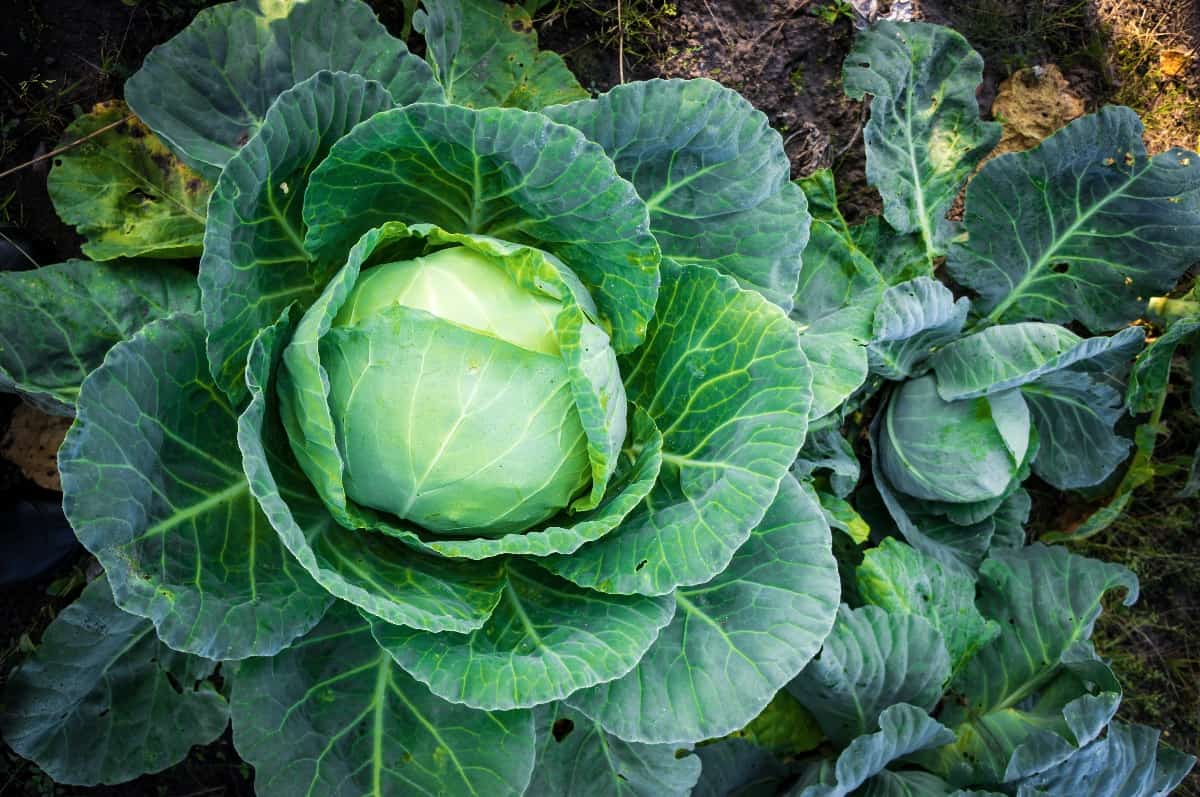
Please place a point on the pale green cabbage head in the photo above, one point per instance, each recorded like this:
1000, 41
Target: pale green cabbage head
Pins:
451, 401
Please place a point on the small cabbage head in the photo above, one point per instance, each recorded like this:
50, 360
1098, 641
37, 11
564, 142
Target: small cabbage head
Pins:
450, 399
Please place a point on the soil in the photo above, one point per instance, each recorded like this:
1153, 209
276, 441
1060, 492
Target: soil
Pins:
59, 57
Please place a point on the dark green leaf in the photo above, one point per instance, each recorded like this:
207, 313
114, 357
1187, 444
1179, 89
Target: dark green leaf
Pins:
207, 91
924, 137
486, 54
1086, 227
254, 263
152, 485
723, 378
545, 639
735, 641
713, 174
79, 310
103, 701
577, 757
469, 171
333, 715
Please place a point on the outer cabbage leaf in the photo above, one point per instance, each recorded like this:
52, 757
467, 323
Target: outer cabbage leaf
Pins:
1039, 674
1012, 355
206, 91
1086, 227
784, 727
898, 256
825, 449
125, 192
902, 580
255, 263
723, 379
92, 306
1128, 762
486, 54
102, 682
578, 757
334, 715
924, 137
839, 368
735, 641
152, 487
500, 172
909, 783
713, 174
873, 659
838, 287
546, 639
903, 730
383, 576
912, 320
1152, 371
1076, 415
738, 767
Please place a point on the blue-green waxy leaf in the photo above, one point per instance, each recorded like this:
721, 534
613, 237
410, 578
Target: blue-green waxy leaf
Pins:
124, 191
735, 641
207, 91
838, 288
1152, 372
153, 487
924, 137
254, 263
91, 306
903, 730
333, 715
912, 320
820, 190
1128, 762
102, 700
839, 367
486, 54
723, 378
953, 451
898, 256
1011, 355
1085, 718
1086, 227
545, 639
1040, 673
736, 766
902, 580
873, 659
500, 172
576, 756
382, 576
712, 172
1076, 414
826, 449
907, 783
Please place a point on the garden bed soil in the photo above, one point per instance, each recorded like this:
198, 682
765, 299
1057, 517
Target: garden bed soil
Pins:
59, 57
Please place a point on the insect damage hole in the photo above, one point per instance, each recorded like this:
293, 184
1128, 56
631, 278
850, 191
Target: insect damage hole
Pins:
562, 728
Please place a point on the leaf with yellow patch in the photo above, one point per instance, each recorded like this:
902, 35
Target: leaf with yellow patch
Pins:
125, 192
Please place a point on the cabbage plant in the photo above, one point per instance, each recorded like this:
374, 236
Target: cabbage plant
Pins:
509, 440
473, 432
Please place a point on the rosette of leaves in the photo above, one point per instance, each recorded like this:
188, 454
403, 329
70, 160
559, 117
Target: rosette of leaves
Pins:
472, 447
980, 389
939, 682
